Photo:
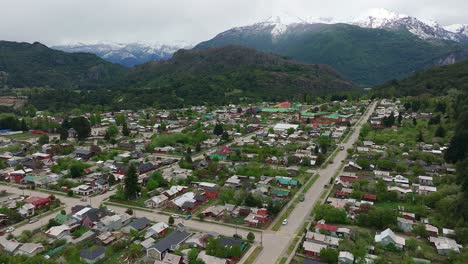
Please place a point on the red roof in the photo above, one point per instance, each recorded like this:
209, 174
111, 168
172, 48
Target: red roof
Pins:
38, 132
37, 201
341, 193
223, 151
286, 104
370, 197
327, 227
348, 179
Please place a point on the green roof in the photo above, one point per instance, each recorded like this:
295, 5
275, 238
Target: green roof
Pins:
285, 181
61, 218
30, 178
277, 110
280, 192
309, 114
325, 134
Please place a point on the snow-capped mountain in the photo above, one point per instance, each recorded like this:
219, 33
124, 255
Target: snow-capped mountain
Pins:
424, 29
127, 54
458, 29
377, 18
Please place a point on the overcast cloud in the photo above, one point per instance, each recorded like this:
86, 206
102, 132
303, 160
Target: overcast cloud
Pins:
69, 21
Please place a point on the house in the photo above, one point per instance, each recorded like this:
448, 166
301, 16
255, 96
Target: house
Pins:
174, 191
230, 242
9, 246
181, 200
345, 257
400, 191
221, 153
332, 229
381, 174
388, 237
30, 249
157, 201
168, 243
26, 210
113, 222
233, 182
281, 127
84, 154
84, 190
171, 259
312, 249
211, 192
211, 259
91, 256
426, 189
431, 230
322, 239
215, 211
140, 224
369, 197
406, 225
445, 245
17, 176
425, 180
352, 166
286, 182
157, 230
58, 232
38, 202
279, 194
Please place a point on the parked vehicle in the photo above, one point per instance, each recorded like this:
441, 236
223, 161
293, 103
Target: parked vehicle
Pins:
10, 229
187, 217
175, 216
33, 220
237, 236
302, 198
285, 221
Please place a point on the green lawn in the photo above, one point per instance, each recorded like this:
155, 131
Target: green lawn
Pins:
22, 136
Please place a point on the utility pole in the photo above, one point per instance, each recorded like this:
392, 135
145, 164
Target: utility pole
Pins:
261, 238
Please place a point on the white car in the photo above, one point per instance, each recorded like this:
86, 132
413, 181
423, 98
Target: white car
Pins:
10, 229
285, 221
33, 220
175, 216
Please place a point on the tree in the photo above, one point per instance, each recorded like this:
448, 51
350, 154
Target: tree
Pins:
76, 170
23, 125
82, 127
420, 137
329, 255
198, 147
218, 129
331, 214
119, 119
415, 122
111, 132
125, 130
129, 211
440, 132
43, 139
111, 179
250, 237
290, 131
134, 251
171, 220
400, 118
225, 136
131, 183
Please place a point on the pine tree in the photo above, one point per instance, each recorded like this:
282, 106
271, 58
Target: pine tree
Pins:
125, 130
218, 129
131, 183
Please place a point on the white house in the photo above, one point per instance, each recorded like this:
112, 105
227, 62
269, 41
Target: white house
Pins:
444, 245
388, 237
157, 201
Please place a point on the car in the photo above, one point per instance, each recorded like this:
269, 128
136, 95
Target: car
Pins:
237, 236
83, 199
175, 216
325, 186
302, 198
187, 217
10, 229
103, 191
342, 147
112, 188
285, 221
33, 220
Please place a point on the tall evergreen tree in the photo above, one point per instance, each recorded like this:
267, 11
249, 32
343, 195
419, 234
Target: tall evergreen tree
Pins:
131, 183
125, 130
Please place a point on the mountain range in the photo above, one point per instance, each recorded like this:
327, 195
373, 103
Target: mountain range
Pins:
369, 50
126, 54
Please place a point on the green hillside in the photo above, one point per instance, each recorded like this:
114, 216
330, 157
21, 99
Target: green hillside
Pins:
434, 81
365, 56
35, 65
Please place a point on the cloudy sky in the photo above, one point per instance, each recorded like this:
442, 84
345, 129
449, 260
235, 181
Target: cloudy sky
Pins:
167, 21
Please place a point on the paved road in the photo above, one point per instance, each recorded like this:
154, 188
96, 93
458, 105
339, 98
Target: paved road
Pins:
276, 243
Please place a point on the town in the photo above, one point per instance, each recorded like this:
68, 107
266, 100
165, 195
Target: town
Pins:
228, 185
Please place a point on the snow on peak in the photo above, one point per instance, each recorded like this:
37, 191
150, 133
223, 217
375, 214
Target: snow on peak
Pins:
377, 18
281, 23
458, 29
